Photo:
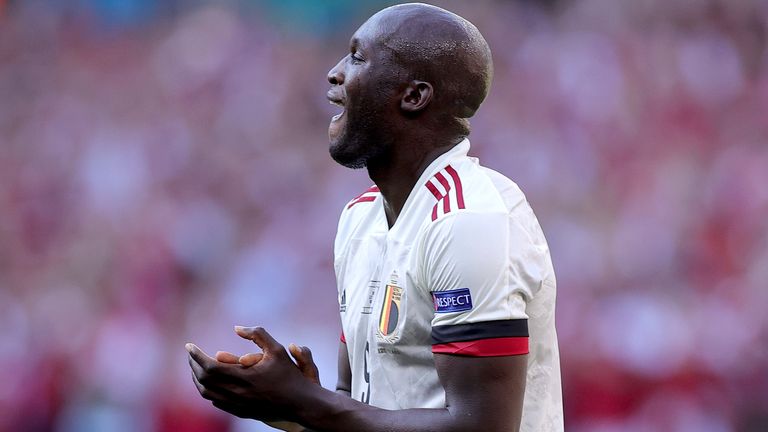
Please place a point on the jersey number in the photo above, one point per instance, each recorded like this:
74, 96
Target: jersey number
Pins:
366, 396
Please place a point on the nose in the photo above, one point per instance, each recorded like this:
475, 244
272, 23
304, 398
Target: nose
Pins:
336, 75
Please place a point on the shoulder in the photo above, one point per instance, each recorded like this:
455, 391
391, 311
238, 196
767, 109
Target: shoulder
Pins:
468, 208
369, 195
474, 205
465, 186
360, 205
355, 212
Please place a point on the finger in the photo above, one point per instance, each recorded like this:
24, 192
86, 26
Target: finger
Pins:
305, 362
199, 356
250, 359
216, 386
226, 357
205, 392
207, 370
295, 353
197, 370
298, 356
243, 332
260, 336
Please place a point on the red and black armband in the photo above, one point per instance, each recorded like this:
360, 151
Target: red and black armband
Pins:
482, 339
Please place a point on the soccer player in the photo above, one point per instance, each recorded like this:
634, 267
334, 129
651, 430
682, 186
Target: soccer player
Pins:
445, 283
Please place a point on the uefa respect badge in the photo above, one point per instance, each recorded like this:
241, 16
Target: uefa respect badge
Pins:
456, 300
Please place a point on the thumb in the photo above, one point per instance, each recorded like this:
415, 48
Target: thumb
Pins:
303, 357
260, 337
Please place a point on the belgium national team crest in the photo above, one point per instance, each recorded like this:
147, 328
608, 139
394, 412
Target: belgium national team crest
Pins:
390, 309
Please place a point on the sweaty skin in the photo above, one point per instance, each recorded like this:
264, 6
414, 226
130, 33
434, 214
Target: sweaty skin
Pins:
413, 76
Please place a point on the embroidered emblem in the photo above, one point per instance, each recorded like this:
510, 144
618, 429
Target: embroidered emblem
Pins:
390, 311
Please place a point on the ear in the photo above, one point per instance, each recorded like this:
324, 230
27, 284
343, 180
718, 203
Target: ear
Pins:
416, 96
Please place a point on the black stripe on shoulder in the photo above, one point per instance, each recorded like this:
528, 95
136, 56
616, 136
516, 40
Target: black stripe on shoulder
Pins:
480, 330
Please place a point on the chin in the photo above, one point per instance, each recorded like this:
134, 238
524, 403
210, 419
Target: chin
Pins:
347, 151
355, 147
343, 156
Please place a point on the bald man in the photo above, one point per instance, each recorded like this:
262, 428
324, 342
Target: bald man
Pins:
445, 283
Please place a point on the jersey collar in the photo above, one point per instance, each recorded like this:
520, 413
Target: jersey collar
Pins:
458, 151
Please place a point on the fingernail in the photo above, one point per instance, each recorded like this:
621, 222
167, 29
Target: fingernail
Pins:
239, 328
188, 347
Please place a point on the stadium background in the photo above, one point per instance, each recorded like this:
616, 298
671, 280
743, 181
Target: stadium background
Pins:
164, 175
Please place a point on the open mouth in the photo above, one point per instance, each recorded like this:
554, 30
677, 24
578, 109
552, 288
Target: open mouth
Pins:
336, 99
339, 104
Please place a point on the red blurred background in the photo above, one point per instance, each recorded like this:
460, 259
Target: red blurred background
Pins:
164, 175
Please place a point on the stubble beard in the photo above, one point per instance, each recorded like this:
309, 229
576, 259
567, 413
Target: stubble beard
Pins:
363, 139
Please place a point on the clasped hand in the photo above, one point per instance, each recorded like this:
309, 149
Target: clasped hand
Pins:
256, 385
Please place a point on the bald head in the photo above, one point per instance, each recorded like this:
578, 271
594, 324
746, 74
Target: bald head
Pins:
412, 78
431, 44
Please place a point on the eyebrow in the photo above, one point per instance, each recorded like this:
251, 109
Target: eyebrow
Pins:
362, 46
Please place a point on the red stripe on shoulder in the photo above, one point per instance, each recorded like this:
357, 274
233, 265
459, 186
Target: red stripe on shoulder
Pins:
447, 198
436, 193
363, 197
494, 347
372, 189
437, 196
457, 181
449, 181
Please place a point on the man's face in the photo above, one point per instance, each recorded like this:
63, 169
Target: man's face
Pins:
363, 85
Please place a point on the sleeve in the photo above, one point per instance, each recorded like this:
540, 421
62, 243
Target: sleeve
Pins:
471, 268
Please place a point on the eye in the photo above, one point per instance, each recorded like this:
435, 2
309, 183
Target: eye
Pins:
355, 58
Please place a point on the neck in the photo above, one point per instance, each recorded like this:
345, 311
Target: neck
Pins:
397, 174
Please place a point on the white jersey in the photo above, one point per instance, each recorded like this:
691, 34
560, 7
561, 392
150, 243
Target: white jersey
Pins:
465, 270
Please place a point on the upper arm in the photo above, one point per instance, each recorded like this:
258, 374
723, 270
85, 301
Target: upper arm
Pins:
473, 267
483, 393
479, 270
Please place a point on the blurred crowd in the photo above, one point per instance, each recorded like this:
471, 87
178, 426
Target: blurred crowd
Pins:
164, 175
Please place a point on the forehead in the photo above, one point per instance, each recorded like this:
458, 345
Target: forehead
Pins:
376, 31
408, 28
